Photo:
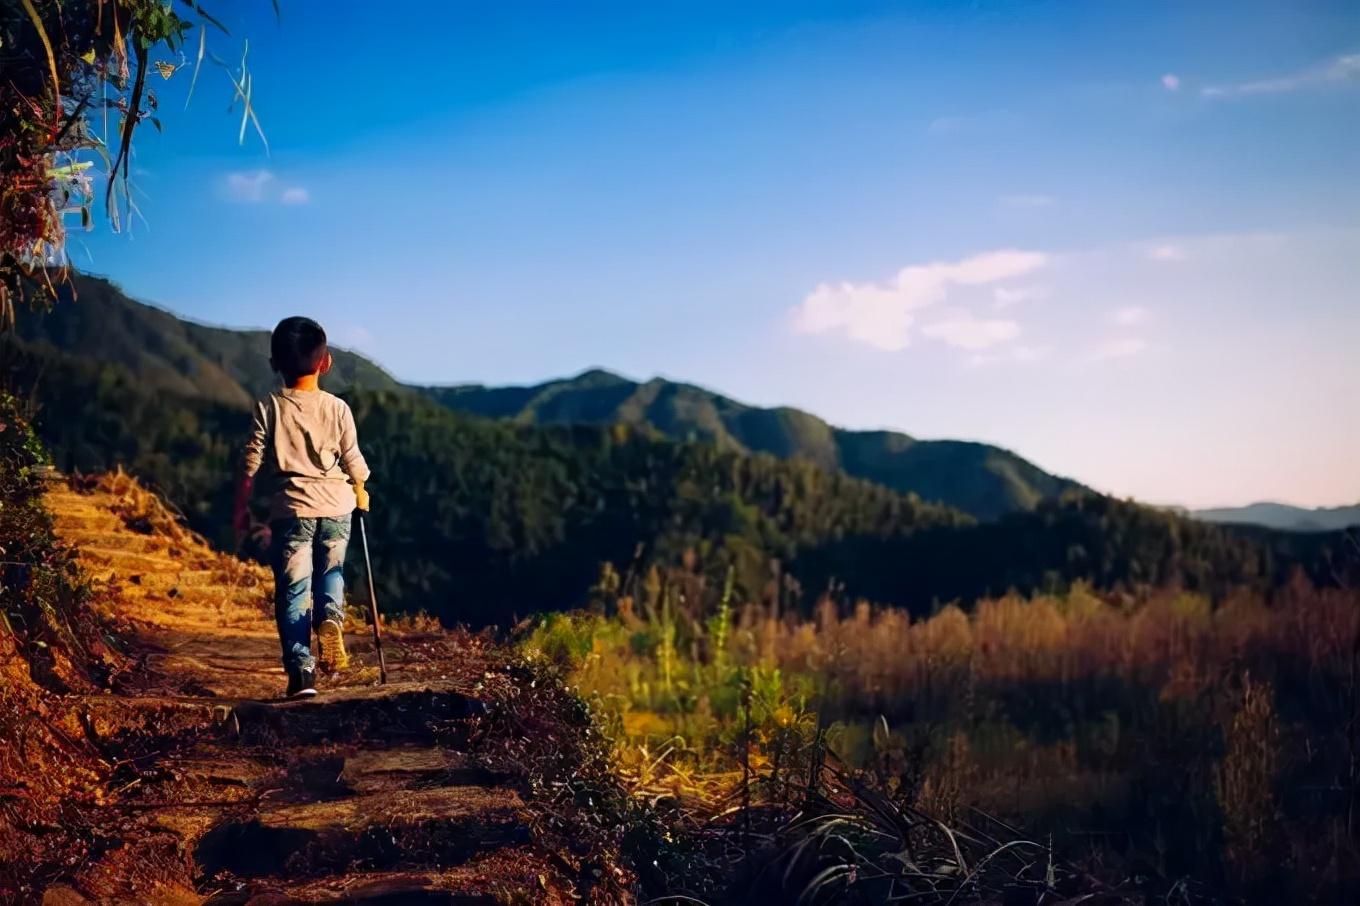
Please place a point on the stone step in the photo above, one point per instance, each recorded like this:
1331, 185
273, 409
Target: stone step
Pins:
511, 874
122, 540
157, 581
393, 714
435, 828
95, 520
410, 767
128, 561
78, 508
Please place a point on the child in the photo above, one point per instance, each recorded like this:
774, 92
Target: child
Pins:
317, 476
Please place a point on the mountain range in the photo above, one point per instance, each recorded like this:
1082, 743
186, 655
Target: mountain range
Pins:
169, 353
97, 322
497, 502
980, 479
1284, 517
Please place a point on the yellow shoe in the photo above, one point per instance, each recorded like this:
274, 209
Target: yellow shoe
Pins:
332, 641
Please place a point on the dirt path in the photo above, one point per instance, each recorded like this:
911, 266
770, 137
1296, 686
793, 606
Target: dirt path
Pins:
224, 794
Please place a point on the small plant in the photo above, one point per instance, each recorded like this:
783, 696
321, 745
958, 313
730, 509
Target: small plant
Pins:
1245, 783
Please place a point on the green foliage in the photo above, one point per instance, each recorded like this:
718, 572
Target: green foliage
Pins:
979, 479
68, 64
1114, 731
490, 518
96, 323
481, 521
43, 600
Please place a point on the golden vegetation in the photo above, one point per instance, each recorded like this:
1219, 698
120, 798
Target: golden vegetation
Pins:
1192, 735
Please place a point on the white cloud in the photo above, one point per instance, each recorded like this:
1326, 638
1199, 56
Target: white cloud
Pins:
1005, 296
1171, 82
262, 187
249, 185
881, 314
1166, 252
1129, 315
965, 331
1017, 354
1339, 69
1027, 201
1120, 348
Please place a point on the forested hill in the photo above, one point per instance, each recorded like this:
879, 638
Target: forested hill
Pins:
980, 479
168, 353
479, 520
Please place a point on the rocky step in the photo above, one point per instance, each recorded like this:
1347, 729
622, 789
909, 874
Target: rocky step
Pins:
394, 713
435, 828
364, 771
254, 601
512, 874
82, 538
219, 775
88, 520
158, 581
112, 554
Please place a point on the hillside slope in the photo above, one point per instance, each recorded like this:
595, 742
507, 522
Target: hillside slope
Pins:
162, 352
366, 794
982, 480
97, 322
482, 520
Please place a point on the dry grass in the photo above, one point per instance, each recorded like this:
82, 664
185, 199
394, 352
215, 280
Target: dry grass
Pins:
1154, 726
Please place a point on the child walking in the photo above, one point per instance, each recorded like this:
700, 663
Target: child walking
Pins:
316, 477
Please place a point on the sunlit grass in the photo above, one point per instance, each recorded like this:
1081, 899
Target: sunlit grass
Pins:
1154, 717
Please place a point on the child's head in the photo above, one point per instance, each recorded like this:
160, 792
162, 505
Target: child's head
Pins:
298, 348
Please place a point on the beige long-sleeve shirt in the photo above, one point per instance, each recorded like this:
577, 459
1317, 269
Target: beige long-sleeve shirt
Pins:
308, 439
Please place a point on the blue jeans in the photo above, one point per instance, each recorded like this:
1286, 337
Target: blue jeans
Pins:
308, 559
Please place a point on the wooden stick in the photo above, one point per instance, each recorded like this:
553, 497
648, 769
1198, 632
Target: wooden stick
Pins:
372, 601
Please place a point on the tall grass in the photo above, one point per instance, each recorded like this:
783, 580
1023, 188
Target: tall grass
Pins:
1161, 733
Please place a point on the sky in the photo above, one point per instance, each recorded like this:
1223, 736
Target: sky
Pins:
1119, 238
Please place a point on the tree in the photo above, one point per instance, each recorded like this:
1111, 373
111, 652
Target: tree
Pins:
67, 65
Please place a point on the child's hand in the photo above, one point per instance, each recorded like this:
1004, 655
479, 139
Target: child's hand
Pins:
360, 496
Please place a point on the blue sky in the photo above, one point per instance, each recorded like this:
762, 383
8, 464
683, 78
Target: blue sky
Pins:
1119, 238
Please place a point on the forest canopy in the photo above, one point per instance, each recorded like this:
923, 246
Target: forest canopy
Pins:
479, 520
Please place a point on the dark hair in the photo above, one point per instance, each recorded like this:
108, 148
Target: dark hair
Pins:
297, 347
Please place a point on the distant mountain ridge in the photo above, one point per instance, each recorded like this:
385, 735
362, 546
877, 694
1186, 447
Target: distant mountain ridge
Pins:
228, 366
485, 519
1284, 517
167, 352
980, 479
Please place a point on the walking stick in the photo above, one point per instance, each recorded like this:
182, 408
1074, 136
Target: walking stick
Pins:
372, 601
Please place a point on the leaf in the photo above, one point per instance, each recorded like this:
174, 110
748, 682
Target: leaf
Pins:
205, 15
882, 735
198, 64
47, 46
129, 123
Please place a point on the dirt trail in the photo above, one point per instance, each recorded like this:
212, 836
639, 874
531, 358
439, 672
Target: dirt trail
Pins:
226, 795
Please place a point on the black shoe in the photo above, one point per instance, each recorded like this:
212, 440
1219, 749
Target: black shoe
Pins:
301, 684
